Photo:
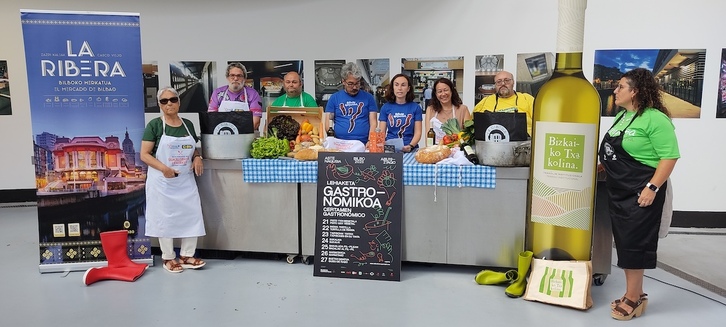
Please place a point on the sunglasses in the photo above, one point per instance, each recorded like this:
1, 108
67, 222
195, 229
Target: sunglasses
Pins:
165, 101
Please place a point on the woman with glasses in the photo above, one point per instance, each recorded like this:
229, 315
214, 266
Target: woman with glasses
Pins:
173, 207
400, 117
445, 104
638, 153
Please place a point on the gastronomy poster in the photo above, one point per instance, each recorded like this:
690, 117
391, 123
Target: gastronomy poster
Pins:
359, 210
86, 93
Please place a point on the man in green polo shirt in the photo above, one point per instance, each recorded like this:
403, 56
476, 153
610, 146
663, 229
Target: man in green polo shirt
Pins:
294, 95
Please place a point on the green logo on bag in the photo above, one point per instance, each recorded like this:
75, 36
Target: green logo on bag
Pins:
564, 152
556, 282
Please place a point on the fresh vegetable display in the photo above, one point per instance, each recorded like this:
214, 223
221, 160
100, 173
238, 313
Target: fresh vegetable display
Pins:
308, 133
467, 135
451, 128
287, 127
270, 147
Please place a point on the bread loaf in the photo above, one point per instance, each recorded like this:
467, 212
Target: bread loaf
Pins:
432, 154
306, 154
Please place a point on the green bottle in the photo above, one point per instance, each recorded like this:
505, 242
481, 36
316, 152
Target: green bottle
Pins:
564, 149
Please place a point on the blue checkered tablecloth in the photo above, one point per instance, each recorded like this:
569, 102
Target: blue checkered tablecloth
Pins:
414, 173
279, 171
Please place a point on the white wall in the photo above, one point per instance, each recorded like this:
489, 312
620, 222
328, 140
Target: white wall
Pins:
333, 29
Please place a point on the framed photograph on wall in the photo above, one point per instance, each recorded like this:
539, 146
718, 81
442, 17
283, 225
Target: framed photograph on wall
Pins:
150, 70
376, 77
195, 81
5, 107
721, 103
424, 71
533, 70
678, 71
266, 77
487, 66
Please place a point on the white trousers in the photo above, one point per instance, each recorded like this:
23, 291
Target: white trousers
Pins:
188, 247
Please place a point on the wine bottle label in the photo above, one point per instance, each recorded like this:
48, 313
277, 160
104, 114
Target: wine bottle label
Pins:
571, 25
563, 171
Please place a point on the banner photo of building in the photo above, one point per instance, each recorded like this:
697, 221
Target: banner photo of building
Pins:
85, 82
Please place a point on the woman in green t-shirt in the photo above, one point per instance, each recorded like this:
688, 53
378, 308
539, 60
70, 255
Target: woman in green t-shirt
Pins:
638, 154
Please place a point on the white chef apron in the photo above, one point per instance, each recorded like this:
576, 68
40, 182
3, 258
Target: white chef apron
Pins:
436, 124
173, 207
231, 105
284, 102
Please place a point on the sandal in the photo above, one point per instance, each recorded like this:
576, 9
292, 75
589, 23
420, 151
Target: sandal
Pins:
192, 262
643, 298
620, 313
172, 266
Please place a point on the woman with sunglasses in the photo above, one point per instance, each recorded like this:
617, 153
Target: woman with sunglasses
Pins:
173, 207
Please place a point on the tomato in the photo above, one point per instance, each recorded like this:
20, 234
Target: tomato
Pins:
446, 139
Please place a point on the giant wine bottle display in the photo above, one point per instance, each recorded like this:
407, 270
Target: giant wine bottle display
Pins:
566, 121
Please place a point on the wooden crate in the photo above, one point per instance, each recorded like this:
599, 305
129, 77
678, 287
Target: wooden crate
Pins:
313, 114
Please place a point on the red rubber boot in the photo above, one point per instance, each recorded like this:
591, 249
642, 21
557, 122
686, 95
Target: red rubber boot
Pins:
114, 246
126, 274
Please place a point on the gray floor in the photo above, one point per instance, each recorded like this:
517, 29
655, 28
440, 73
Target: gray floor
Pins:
256, 292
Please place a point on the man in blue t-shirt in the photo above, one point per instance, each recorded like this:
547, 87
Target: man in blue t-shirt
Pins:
352, 110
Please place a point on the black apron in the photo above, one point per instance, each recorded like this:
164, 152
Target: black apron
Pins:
635, 229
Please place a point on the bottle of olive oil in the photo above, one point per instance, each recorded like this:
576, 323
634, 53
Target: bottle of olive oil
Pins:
564, 149
430, 137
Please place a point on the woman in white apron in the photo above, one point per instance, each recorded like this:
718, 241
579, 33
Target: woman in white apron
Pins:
173, 207
445, 105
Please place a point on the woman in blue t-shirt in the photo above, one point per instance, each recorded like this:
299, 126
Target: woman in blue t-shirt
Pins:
401, 115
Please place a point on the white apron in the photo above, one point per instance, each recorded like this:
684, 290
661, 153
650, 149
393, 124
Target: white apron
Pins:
284, 102
173, 207
436, 124
230, 105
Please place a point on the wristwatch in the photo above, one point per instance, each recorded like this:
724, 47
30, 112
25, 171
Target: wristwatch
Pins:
197, 155
652, 187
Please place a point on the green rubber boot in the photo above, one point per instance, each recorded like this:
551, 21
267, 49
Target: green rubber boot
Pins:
489, 277
516, 289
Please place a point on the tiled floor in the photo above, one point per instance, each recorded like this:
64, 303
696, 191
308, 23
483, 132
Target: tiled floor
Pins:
256, 292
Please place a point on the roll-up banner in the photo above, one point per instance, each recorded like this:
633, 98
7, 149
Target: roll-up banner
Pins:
87, 109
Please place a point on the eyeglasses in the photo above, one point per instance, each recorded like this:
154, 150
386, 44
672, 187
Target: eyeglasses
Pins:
235, 75
172, 100
621, 87
352, 84
503, 81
